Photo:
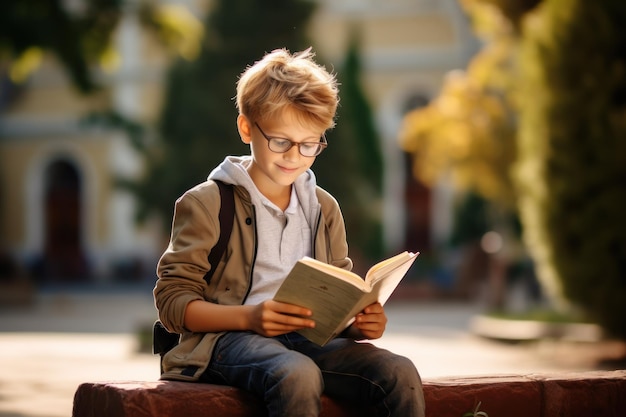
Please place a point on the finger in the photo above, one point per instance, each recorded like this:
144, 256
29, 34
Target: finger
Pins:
371, 327
296, 322
370, 318
370, 324
373, 309
291, 309
274, 328
289, 321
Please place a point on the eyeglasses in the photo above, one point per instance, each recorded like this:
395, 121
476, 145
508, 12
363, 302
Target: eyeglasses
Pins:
282, 145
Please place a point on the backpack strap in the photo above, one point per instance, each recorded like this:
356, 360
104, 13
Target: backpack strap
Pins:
162, 340
226, 219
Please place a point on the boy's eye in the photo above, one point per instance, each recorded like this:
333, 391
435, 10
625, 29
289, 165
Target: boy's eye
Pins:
308, 146
281, 143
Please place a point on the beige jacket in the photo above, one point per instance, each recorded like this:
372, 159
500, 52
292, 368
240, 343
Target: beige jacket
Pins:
181, 269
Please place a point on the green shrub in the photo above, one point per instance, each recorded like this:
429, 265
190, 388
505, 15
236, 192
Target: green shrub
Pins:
572, 153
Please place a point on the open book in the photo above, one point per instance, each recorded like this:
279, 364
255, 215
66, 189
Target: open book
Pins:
336, 296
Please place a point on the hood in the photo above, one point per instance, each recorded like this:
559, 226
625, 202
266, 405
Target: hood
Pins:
233, 170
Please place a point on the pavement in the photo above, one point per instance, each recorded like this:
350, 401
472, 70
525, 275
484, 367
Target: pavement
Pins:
69, 336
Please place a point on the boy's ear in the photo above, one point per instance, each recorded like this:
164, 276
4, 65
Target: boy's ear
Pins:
244, 128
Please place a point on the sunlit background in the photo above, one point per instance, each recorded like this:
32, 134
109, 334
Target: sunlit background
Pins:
488, 135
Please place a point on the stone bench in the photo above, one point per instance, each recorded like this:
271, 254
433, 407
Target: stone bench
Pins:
546, 395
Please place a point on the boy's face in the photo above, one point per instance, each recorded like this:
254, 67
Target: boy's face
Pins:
274, 172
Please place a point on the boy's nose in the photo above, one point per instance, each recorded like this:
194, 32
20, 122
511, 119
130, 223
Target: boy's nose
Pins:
293, 153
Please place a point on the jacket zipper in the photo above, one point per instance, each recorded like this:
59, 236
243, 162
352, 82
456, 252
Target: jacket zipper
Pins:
317, 228
250, 278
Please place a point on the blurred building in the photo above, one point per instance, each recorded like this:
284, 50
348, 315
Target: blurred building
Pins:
63, 217
407, 48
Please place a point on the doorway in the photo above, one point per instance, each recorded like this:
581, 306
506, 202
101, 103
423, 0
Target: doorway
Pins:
63, 258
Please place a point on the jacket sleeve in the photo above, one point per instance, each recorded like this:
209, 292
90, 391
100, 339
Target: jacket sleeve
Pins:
182, 267
335, 230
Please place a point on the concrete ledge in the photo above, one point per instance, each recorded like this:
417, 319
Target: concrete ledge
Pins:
550, 395
173, 399
539, 395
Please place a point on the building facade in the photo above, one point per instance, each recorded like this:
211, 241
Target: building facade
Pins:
61, 215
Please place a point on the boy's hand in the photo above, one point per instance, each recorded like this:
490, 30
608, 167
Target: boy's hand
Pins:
272, 318
372, 321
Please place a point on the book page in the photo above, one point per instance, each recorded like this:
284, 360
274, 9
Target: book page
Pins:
385, 267
330, 299
340, 273
384, 286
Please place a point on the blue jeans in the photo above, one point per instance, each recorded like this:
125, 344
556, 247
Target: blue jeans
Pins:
290, 374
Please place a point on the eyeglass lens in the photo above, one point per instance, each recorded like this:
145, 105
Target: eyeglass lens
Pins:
280, 145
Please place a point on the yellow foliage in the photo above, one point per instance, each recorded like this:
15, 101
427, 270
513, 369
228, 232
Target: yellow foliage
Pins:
110, 59
180, 29
467, 132
488, 21
25, 64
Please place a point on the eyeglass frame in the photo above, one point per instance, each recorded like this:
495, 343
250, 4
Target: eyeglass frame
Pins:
322, 144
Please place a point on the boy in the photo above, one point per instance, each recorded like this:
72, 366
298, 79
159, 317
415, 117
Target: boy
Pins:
233, 333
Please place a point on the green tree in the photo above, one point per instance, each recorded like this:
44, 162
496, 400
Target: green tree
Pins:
572, 153
357, 116
355, 146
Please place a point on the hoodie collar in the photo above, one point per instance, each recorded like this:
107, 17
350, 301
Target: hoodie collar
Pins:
233, 170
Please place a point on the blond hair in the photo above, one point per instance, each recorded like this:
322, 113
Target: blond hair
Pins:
281, 80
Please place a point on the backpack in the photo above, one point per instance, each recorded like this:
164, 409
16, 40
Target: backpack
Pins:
162, 340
